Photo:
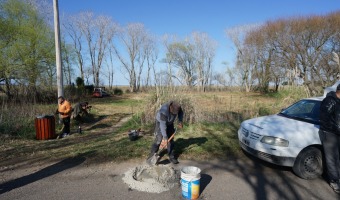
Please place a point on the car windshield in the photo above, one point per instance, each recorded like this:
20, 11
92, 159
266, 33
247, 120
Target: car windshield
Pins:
305, 110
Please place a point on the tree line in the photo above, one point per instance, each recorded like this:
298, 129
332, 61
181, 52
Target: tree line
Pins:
294, 51
301, 50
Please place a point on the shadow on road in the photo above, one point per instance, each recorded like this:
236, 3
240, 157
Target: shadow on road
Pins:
46, 172
267, 179
204, 181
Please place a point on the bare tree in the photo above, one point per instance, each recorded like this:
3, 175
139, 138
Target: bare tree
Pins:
245, 61
308, 39
72, 26
228, 77
261, 43
168, 40
192, 58
110, 66
133, 38
181, 56
68, 59
98, 32
299, 48
151, 53
87, 74
205, 49
220, 78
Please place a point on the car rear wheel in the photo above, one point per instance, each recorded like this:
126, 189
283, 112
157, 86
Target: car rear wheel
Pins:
308, 164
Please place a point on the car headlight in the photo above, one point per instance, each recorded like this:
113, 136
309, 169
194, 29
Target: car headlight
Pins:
275, 141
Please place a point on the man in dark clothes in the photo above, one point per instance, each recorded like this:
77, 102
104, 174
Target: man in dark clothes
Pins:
165, 118
80, 109
330, 136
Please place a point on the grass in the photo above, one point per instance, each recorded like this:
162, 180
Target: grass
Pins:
210, 129
208, 140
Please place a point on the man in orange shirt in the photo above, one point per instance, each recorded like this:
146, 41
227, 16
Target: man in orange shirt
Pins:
65, 110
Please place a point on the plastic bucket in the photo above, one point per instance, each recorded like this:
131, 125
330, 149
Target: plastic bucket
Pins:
190, 181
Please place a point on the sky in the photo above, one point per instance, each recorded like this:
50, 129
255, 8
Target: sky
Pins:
214, 17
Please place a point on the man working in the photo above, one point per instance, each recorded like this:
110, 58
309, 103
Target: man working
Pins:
80, 109
65, 110
164, 128
330, 135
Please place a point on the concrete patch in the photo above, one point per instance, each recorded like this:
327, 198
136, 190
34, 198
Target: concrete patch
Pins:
153, 179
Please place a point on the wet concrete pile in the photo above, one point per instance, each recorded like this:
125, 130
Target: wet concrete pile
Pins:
153, 179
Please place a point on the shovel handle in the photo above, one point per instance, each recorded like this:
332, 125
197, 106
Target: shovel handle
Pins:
172, 136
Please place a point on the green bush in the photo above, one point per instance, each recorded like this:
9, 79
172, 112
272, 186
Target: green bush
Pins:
117, 91
69, 91
79, 82
264, 111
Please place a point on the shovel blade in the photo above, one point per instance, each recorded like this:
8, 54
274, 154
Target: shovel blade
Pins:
153, 159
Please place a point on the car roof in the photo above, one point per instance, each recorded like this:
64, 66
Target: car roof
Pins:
325, 92
331, 88
315, 98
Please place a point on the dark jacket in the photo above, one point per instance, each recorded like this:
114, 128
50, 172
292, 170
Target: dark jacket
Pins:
165, 118
330, 114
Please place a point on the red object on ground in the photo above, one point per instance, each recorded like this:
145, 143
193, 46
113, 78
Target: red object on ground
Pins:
45, 127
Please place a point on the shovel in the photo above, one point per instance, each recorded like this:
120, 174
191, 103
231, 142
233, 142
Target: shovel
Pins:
153, 160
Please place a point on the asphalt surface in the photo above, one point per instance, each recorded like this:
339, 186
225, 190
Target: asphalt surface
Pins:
74, 178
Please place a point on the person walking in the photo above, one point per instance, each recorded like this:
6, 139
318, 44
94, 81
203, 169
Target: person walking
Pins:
329, 134
65, 111
164, 128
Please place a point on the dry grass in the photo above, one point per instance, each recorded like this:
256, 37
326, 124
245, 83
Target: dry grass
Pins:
220, 106
210, 131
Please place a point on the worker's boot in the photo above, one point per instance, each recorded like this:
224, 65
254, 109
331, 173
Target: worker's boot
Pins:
335, 186
173, 160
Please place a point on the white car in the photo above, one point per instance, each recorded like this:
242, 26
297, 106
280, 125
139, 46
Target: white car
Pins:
289, 138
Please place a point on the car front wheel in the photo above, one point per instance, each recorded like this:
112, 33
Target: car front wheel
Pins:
308, 164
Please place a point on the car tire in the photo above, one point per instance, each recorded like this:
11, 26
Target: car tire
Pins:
308, 164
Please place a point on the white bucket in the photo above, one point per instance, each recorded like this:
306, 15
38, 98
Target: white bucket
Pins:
190, 181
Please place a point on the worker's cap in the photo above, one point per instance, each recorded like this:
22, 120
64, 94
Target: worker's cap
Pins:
175, 107
338, 87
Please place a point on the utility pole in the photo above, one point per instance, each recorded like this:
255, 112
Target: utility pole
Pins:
57, 49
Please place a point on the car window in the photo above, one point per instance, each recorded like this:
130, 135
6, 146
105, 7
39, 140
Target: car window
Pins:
306, 110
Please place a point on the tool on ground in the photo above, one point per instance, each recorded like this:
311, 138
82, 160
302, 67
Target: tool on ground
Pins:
134, 134
153, 160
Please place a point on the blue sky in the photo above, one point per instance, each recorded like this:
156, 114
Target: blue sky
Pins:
182, 17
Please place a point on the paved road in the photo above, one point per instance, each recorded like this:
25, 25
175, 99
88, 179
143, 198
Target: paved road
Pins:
74, 178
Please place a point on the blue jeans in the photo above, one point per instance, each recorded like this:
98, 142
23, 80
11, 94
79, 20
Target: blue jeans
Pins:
330, 142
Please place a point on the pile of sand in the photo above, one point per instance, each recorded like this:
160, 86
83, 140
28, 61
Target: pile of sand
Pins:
153, 179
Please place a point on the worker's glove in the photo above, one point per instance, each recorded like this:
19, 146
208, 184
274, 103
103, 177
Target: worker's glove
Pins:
180, 125
163, 144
